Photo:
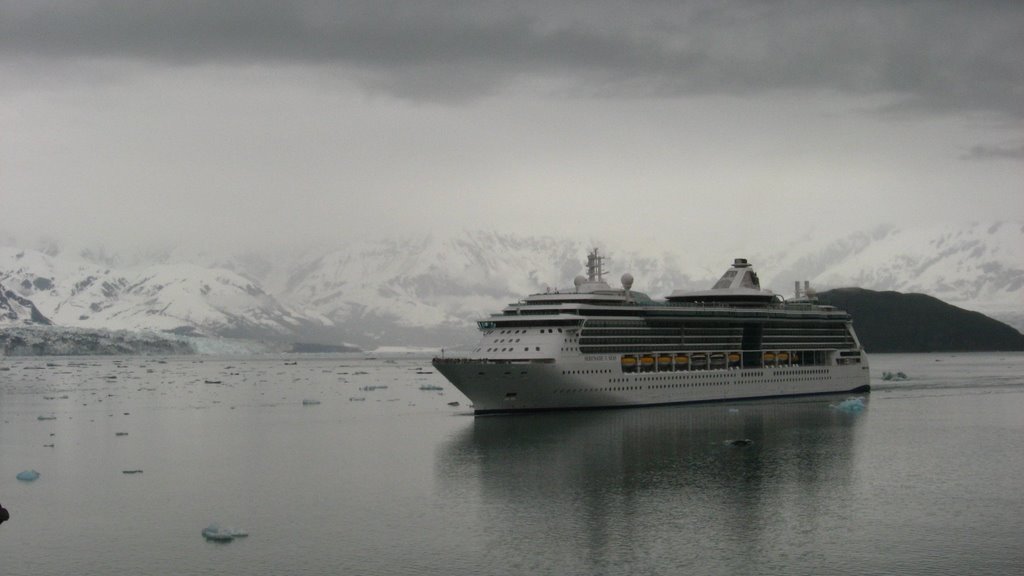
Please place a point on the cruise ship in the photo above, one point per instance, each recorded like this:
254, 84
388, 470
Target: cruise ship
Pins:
595, 346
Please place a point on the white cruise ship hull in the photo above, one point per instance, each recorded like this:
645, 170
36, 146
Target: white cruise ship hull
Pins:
495, 387
598, 347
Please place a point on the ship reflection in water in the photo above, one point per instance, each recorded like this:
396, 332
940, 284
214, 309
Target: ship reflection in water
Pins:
656, 489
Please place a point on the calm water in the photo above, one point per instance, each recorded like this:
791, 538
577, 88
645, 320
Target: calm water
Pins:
927, 479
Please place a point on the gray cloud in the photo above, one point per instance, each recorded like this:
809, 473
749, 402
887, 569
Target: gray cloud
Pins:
924, 55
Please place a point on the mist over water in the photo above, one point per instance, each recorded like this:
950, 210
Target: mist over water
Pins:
385, 477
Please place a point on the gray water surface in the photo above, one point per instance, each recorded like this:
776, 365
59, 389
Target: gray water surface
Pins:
382, 477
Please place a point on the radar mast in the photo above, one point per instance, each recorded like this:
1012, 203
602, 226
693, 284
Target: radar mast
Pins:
595, 267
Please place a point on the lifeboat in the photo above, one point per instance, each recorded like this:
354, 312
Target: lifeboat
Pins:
647, 363
629, 361
699, 360
682, 359
664, 361
717, 359
769, 357
782, 356
734, 357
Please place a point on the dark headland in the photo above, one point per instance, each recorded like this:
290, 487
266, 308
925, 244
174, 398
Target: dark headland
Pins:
897, 322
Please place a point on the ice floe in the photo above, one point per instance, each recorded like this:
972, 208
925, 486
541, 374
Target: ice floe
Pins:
850, 405
215, 533
894, 376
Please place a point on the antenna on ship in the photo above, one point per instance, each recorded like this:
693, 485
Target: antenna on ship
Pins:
595, 267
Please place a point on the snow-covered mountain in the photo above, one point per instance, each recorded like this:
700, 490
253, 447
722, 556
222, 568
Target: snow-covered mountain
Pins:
425, 290
428, 290
978, 267
18, 310
77, 291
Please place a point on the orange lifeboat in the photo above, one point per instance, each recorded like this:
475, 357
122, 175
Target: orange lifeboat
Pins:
734, 357
782, 356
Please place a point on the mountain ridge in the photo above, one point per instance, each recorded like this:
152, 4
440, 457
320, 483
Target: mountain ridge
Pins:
428, 290
888, 321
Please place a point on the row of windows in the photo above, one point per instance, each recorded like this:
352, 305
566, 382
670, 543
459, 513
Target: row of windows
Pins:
587, 339
646, 348
590, 331
801, 372
525, 349
707, 381
696, 384
586, 371
612, 389
524, 331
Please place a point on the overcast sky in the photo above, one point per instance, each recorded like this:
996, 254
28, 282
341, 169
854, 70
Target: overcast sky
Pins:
660, 123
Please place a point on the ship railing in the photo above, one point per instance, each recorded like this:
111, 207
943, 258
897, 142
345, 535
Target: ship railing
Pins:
438, 360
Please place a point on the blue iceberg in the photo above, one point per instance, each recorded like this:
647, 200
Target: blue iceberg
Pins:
28, 475
851, 405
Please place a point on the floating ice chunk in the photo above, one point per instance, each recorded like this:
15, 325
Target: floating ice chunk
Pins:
310, 402
215, 533
740, 442
894, 376
850, 405
46, 417
28, 475
430, 387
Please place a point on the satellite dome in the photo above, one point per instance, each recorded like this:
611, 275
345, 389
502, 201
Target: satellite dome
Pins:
579, 280
627, 281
